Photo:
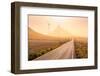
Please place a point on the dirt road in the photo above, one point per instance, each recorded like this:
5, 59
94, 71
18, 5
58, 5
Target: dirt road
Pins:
65, 51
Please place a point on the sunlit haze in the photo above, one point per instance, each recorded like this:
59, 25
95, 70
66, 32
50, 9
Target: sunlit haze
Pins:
77, 26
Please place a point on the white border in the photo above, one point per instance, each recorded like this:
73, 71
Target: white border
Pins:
25, 64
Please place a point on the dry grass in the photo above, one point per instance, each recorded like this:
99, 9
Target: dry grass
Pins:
81, 48
40, 48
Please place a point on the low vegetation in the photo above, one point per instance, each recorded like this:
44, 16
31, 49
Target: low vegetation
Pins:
41, 51
81, 50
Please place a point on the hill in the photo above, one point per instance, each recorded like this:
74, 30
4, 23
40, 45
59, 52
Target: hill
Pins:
59, 32
37, 36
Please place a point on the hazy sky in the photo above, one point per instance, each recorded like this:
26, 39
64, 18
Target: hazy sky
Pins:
77, 26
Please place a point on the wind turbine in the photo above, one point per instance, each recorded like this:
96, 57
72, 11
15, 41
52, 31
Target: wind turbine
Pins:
48, 27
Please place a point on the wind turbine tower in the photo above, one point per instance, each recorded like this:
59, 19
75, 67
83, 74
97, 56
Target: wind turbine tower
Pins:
48, 27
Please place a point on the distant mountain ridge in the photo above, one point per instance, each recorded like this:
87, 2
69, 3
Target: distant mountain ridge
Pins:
57, 34
60, 32
35, 35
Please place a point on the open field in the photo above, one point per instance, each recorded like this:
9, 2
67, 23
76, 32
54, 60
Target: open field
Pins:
40, 47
